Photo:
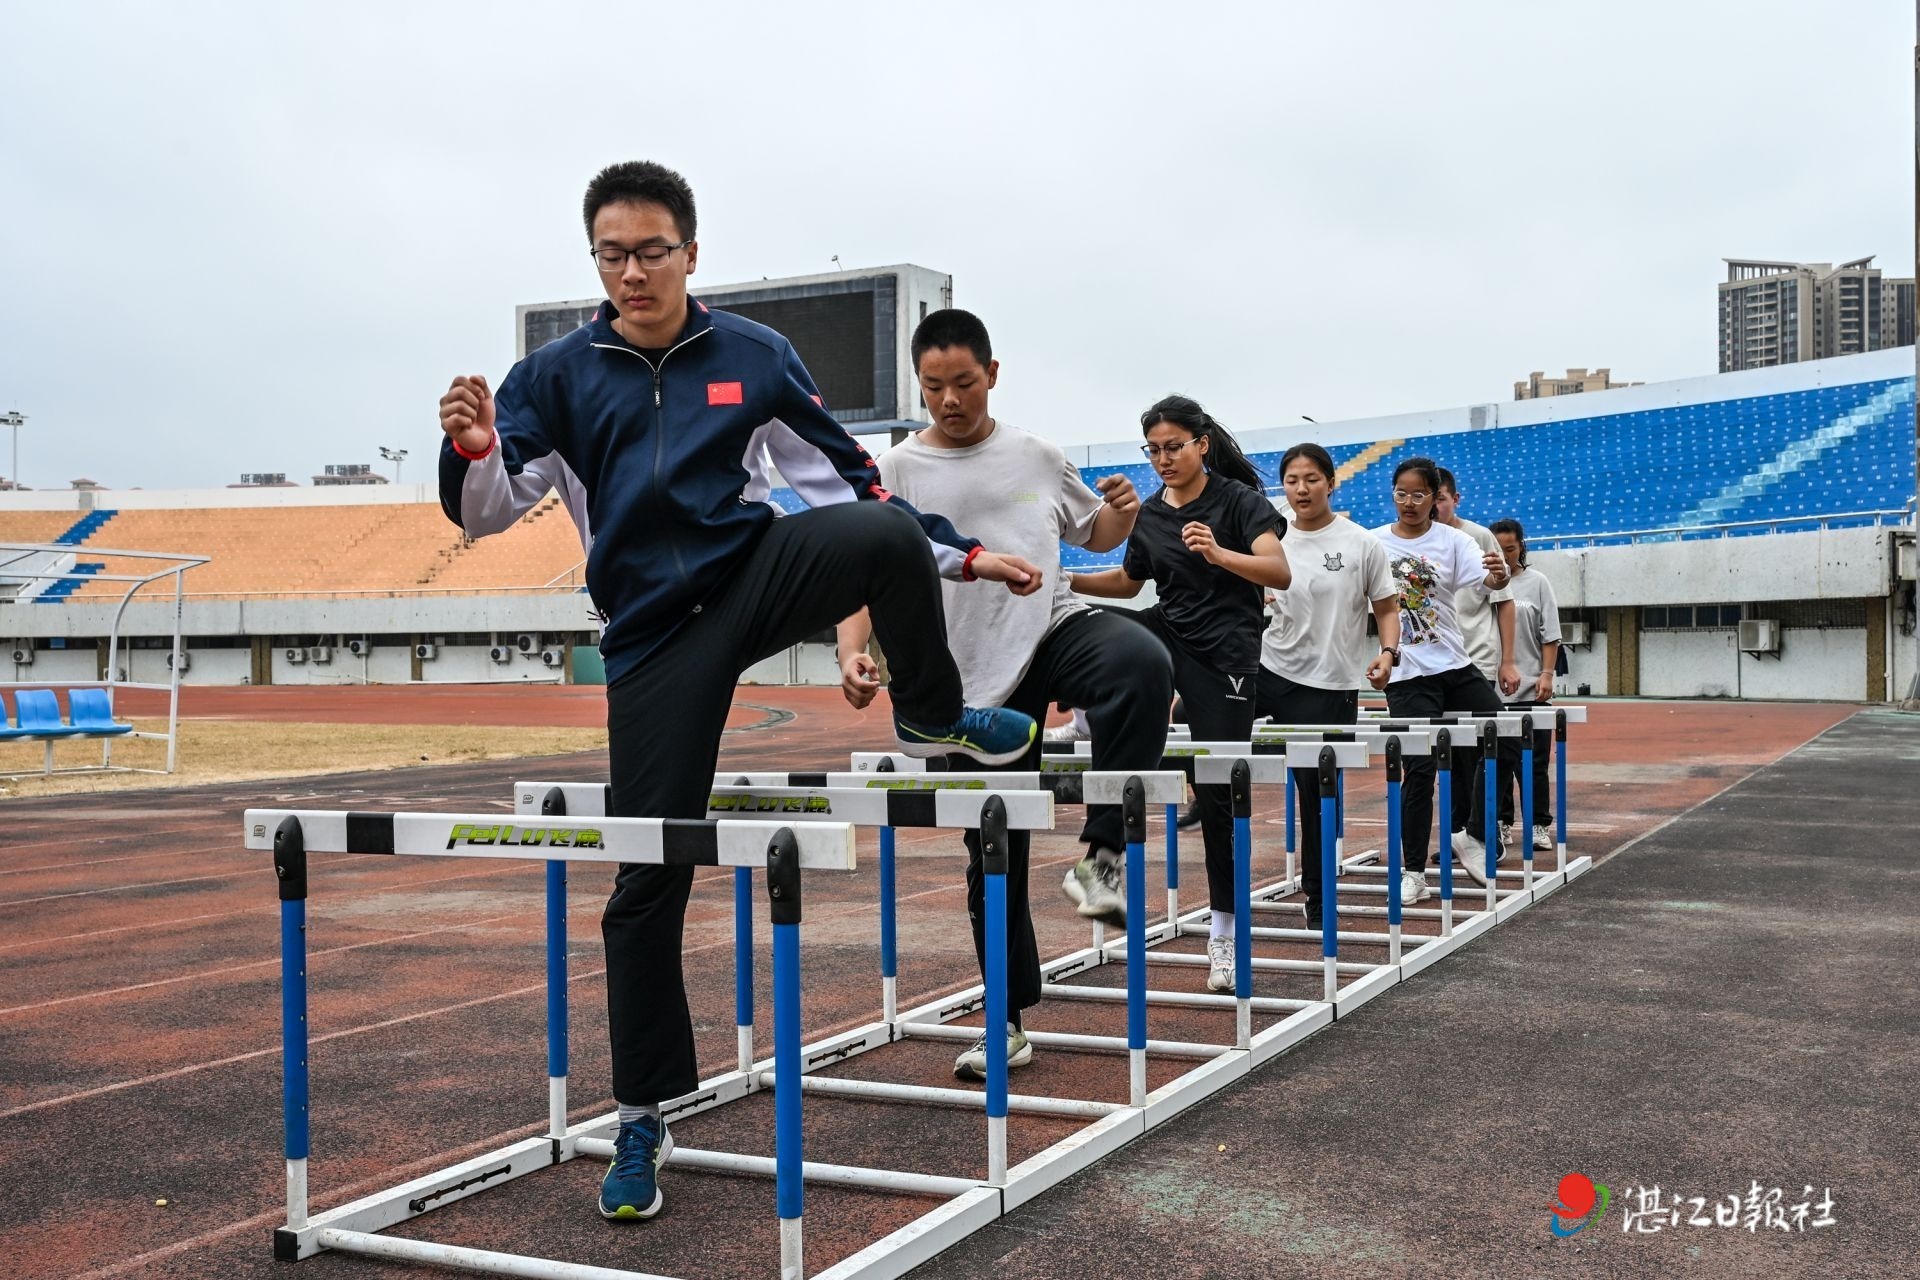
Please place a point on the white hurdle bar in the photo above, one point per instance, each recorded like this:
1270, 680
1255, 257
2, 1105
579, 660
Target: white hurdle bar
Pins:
292, 835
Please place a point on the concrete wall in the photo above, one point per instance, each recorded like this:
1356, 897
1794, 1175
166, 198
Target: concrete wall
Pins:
1817, 564
1829, 665
1587, 665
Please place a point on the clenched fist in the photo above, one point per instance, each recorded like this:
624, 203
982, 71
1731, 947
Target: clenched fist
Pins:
466, 414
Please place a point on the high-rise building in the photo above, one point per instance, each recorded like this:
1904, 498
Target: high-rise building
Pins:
1896, 312
1782, 312
1538, 385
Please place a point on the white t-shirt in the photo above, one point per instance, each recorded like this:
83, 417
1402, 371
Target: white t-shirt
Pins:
1318, 636
1536, 624
1478, 626
1431, 572
1020, 496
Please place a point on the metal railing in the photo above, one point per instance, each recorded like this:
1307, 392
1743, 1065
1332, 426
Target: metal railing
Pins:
1727, 529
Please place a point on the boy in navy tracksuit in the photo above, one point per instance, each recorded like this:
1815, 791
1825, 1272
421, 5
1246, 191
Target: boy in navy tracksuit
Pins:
654, 423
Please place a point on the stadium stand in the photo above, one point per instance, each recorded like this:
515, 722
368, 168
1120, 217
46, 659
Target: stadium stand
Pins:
398, 548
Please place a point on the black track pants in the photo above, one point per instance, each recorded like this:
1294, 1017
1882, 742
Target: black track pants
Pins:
664, 721
1116, 673
1289, 703
1462, 689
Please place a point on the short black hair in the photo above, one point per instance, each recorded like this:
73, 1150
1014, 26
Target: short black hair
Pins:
1519, 532
1446, 481
640, 182
952, 328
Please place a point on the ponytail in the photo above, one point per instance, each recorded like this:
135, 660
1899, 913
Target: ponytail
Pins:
1224, 456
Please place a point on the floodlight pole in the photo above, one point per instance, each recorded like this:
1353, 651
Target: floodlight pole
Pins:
396, 457
15, 419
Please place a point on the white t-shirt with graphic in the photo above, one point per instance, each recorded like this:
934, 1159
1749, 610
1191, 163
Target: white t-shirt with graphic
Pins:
1431, 573
1020, 496
1318, 635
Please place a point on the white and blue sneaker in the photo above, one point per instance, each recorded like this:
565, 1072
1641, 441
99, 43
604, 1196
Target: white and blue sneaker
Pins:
630, 1191
991, 735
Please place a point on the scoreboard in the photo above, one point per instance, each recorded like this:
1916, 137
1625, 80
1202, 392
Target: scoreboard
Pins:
852, 330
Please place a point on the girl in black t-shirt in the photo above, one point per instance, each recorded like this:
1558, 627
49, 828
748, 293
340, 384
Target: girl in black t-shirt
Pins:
1210, 543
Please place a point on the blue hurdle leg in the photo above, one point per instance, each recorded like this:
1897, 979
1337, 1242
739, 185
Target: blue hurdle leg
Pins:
1243, 928
290, 867
1560, 797
1329, 896
556, 1000
1393, 861
1173, 863
789, 1192
743, 964
1137, 970
889, 960
1526, 809
1290, 825
1443, 786
996, 1013
1490, 825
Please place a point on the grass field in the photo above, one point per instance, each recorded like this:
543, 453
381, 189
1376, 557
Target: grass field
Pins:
234, 750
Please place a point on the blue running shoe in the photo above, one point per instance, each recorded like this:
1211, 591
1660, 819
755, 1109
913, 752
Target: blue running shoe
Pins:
991, 736
631, 1190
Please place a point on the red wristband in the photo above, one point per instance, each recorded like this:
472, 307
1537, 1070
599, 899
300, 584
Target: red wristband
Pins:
492, 444
966, 566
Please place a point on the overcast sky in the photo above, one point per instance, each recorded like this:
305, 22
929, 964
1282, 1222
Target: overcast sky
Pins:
263, 238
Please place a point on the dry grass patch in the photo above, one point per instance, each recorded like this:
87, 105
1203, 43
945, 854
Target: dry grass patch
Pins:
235, 750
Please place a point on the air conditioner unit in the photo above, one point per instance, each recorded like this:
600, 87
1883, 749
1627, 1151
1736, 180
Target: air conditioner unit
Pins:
501, 653
527, 644
296, 656
358, 648
553, 657
1759, 635
186, 661
1573, 634
321, 653
426, 651
23, 654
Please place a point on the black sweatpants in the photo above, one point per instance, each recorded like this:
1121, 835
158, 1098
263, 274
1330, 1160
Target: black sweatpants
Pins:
1122, 679
664, 721
1542, 754
1219, 708
1287, 702
1462, 689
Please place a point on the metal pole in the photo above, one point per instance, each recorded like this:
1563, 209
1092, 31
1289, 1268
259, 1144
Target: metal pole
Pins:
1290, 835
1525, 821
783, 895
554, 805
1560, 790
1173, 862
1394, 772
1490, 807
1443, 789
1133, 818
1328, 776
993, 865
1240, 789
743, 965
290, 868
889, 940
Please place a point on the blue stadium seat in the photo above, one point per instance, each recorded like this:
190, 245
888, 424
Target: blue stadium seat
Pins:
38, 716
92, 711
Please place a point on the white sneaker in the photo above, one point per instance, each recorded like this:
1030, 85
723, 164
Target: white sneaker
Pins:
1220, 964
1506, 836
1413, 888
1068, 732
1543, 838
1093, 885
972, 1065
1472, 855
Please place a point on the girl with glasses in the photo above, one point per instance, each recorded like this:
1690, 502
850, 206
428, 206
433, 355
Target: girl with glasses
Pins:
1433, 566
1209, 541
1315, 656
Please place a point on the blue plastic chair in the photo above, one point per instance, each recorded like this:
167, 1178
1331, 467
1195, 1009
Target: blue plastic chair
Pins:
93, 713
9, 730
39, 715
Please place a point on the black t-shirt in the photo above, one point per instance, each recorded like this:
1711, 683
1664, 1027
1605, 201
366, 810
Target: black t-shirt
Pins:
1214, 611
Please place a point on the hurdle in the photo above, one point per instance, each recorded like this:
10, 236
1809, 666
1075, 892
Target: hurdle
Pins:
292, 835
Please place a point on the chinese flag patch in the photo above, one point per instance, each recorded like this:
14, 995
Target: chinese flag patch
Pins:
723, 393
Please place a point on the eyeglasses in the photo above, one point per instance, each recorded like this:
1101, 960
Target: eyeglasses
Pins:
1401, 495
1154, 450
652, 256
